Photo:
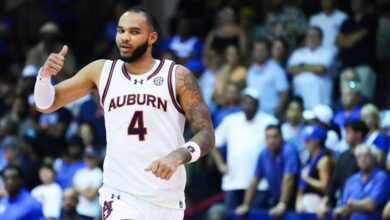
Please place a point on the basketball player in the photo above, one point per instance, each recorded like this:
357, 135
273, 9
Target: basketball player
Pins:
145, 102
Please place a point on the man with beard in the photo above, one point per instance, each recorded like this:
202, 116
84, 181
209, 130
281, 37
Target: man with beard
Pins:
18, 203
146, 102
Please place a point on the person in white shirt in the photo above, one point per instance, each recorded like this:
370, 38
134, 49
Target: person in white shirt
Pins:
49, 193
87, 182
293, 127
268, 78
329, 20
243, 132
309, 67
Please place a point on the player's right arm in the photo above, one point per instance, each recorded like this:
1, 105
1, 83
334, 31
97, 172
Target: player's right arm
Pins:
49, 98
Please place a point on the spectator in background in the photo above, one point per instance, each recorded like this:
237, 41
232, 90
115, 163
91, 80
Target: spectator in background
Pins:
268, 78
69, 203
309, 67
169, 54
8, 126
329, 20
86, 183
366, 192
53, 127
217, 212
70, 162
232, 104
350, 79
227, 32
50, 41
207, 80
375, 137
316, 174
279, 52
11, 151
243, 132
14, 154
386, 211
351, 106
248, 22
293, 125
185, 44
356, 41
23, 114
87, 134
283, 20
49, 193
231, 71
19, 109
18, 203
322, 115
91, 113
279, 164
346, 166
292, 128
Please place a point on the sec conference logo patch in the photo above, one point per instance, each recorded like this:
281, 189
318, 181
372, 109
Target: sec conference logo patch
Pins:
158, 81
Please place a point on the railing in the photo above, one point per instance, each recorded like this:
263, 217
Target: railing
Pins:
256, 214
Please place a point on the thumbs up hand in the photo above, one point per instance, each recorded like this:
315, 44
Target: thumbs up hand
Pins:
54, 63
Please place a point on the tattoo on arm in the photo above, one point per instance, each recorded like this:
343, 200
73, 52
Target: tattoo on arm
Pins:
196, 110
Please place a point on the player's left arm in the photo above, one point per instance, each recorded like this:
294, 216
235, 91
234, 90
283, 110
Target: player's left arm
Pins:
196, 112
195, 109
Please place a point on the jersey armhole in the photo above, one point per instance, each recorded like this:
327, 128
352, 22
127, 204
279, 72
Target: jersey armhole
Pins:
172, 87
104, 85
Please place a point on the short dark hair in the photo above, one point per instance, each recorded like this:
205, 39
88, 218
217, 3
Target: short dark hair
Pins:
283, 41
319, 31
357, 126
298, 100
274, 126
149, 17
18, 170
264, 41
49, 167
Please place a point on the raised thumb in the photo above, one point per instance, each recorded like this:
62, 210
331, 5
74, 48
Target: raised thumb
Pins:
64, 51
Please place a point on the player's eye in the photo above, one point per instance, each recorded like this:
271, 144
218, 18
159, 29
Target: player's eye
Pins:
119, 30
134, 32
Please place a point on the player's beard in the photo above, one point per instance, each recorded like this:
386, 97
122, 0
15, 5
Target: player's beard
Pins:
138, 53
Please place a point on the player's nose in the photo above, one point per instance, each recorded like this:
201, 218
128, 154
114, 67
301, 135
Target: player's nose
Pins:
126, 37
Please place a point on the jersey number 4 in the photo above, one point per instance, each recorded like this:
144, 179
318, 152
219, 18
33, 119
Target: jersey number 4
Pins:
136, 126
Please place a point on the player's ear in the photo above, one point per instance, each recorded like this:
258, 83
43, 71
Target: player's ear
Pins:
153, 37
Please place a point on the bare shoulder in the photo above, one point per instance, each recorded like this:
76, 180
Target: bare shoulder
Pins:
185, 81
325, 162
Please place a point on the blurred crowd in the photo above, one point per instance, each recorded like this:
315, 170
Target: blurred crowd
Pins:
297, 91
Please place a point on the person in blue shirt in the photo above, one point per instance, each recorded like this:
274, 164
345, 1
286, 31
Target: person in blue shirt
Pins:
366, 192
92, 114
18, 204
279, 164
70, 162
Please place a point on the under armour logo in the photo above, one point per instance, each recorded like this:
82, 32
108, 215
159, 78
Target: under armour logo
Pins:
181, 204
141, 81
117, 197
107, 209
191, 149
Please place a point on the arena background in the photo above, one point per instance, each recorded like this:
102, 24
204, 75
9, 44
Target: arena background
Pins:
88, 28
